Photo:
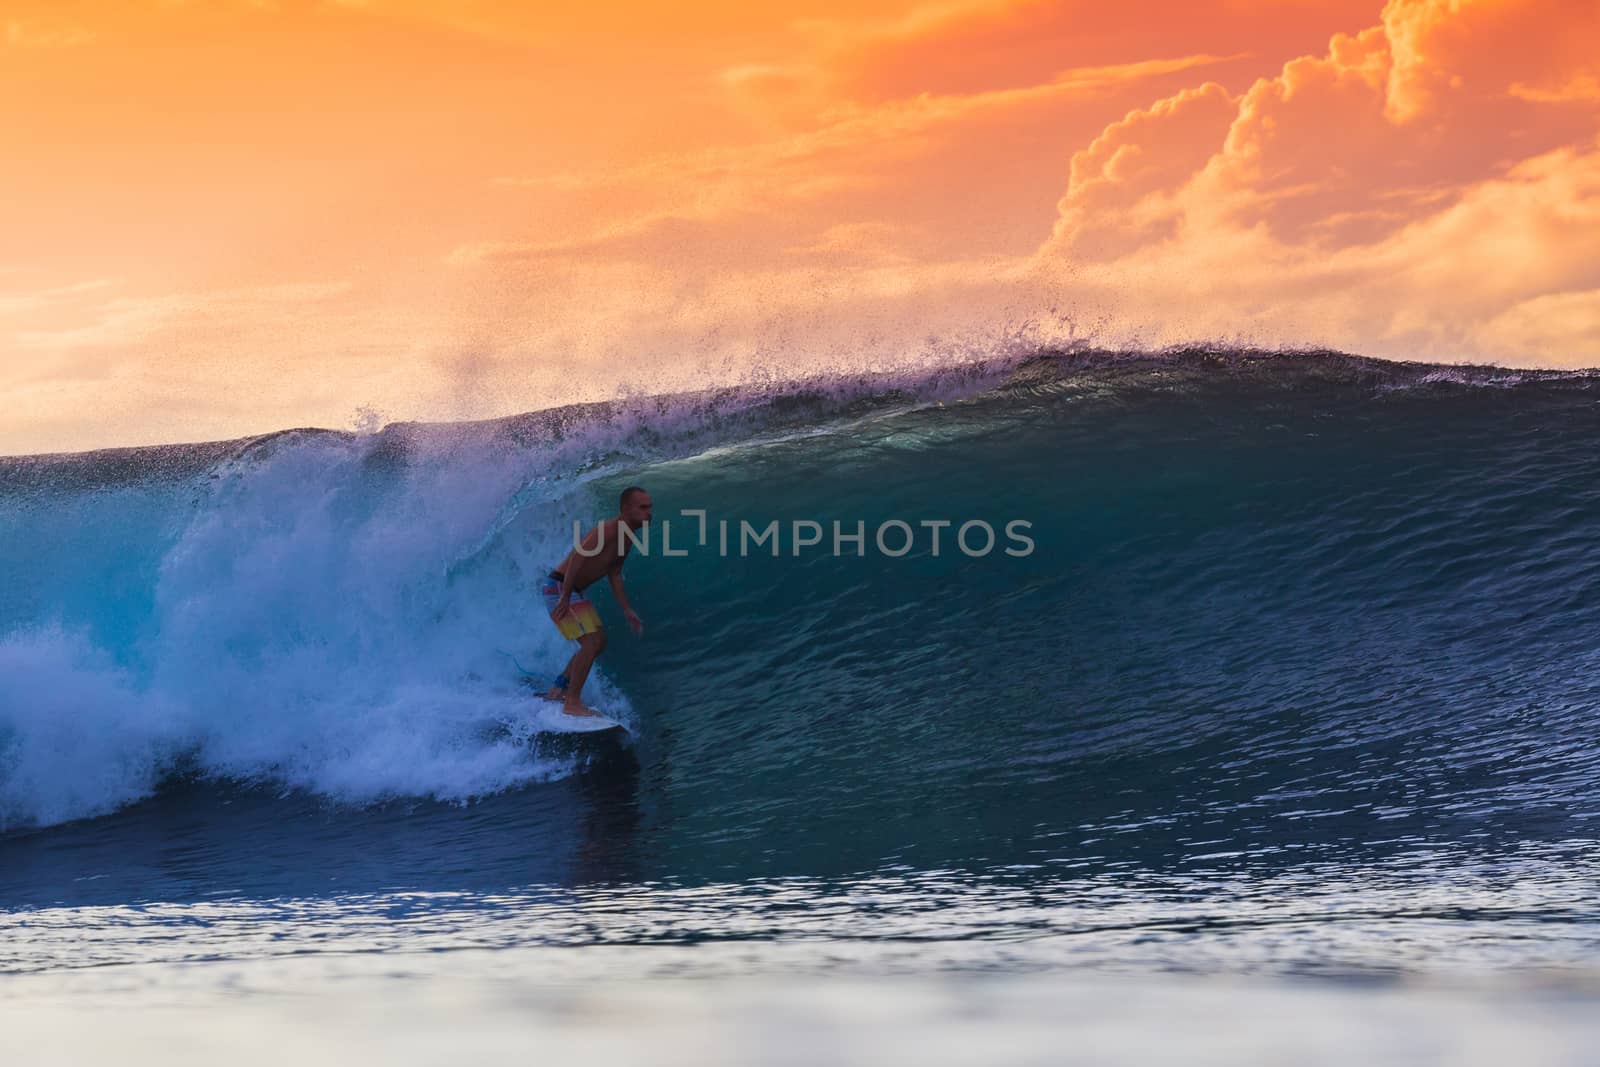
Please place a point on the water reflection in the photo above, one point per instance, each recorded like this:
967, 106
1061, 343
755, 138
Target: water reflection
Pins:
1430, 911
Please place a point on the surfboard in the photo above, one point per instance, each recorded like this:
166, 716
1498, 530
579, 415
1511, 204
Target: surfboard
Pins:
550, 719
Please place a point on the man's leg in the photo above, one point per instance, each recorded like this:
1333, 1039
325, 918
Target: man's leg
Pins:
563, 681
590, 645
581, 620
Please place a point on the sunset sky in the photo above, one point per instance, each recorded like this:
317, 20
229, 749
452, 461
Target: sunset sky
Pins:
221, 217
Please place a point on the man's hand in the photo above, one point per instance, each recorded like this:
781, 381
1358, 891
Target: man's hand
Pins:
563, 609
635, 623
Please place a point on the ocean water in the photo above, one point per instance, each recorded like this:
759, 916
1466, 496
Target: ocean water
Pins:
1273, 737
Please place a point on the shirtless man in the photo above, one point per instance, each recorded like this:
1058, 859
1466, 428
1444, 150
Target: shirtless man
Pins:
602, 551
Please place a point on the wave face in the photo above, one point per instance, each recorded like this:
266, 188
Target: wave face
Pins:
1276, 605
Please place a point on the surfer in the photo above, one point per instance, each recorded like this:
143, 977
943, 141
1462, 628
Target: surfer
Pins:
602, 551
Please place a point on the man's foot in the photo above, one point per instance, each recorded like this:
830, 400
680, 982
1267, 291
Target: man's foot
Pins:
579, 710
555, 692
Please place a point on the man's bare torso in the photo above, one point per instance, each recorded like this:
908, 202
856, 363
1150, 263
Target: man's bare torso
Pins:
605, 552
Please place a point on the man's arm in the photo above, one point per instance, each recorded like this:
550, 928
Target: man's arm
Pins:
614, 575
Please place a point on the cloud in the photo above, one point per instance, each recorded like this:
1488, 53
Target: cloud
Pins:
847, 128
1580, 88
1340, 148
862, 242
1553, 323
972, 46
756, 206
1403, 193
1454, 57
1120, 189
15, 304
131, 320
1444, 286
662, 238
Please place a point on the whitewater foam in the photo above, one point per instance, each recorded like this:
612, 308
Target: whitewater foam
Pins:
305, 627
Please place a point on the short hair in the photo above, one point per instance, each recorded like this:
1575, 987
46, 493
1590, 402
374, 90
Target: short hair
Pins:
627, 495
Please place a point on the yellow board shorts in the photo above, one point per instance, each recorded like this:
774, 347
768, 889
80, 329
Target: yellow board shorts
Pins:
582, 619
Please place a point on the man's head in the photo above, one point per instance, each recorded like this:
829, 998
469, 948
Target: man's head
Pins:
635, 507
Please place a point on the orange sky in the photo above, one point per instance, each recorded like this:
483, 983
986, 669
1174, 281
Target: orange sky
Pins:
221, 217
